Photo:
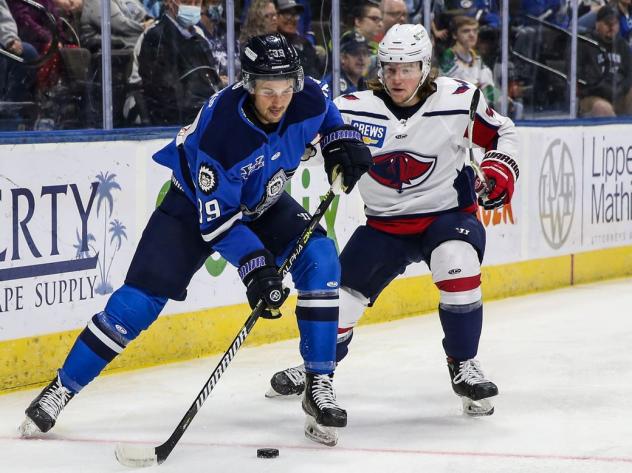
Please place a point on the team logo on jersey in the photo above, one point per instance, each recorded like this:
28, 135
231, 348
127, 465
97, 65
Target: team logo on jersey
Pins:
207, 179
372, 134
249, 168
461, 89
350, 97
274, 190
402, 170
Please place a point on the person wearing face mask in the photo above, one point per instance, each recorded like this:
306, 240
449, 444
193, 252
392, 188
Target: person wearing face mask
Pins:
420, 199
213, 24
175, 65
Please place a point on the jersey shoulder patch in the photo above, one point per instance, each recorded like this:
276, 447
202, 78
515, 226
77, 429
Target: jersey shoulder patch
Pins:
365, 104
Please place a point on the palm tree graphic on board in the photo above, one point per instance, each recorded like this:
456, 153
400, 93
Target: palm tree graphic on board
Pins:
107, 185
117, 230
77, 246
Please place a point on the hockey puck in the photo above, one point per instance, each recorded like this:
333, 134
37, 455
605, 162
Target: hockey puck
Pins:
267, 452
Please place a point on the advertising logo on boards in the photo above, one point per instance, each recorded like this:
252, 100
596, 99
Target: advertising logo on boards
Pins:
556, 193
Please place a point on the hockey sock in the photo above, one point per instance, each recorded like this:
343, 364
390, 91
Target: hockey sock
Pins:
317, 315
462, 325
128, 312
342, 343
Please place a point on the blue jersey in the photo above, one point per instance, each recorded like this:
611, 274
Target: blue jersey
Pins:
232, 171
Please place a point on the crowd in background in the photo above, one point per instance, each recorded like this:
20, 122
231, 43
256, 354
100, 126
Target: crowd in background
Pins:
169, 56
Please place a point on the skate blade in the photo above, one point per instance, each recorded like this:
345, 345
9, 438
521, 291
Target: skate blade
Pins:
28, 429
482, 407
272, 394
320, 433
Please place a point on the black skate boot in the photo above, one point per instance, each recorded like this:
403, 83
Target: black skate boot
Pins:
323, 412
288, 382
43, 411
470, 384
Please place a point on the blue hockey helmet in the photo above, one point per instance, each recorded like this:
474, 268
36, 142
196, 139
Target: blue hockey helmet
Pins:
270, 57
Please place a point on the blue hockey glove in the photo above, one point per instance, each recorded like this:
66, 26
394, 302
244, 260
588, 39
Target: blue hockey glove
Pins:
344, 151
263, 282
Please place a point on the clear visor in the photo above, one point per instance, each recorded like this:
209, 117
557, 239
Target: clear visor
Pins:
270, 85
403, 70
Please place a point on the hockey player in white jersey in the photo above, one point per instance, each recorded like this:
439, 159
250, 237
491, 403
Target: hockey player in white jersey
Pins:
420, 200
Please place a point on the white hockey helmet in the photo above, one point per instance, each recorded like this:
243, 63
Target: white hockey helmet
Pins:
406, 43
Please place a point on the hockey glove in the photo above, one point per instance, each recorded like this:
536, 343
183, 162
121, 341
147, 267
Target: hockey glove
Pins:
344, 151
263, 282
502, 173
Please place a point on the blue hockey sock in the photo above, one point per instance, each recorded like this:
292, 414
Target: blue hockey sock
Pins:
317, 316
462, 325
128, 312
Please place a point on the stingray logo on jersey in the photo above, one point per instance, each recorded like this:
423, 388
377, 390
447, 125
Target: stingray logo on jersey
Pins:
207, 179
556, 193
402, 170
372, 134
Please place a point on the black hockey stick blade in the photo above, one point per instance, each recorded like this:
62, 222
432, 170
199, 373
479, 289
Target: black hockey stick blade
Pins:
137, 456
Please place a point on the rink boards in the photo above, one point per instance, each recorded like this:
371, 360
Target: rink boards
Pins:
72, 213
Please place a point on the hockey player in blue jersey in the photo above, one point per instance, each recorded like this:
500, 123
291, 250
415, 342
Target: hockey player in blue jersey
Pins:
227, 196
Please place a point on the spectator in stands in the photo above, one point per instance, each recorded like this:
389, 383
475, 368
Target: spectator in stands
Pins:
486, 13
394, 12
366, 19
354, 63
289, 13
608, 70
261, 18
34, 26
16, 80
461, 61
624, 12
213, 24
175, 65
304, 27
129, 19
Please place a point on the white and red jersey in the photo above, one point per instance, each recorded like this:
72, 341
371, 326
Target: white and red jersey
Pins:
419, 164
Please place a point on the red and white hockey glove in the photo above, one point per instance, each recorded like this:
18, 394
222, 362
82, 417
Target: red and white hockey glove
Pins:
502, 173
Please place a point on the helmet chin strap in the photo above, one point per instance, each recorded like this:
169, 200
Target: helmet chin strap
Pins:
415, 92
421, 81
411, 95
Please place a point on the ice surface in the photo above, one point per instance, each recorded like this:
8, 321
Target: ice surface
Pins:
561, 359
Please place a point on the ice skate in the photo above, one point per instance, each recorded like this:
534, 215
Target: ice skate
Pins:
324, 414
45, 408
469, 383
289, 382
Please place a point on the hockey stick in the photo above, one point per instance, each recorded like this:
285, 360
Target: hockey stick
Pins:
487, 185
140, 456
